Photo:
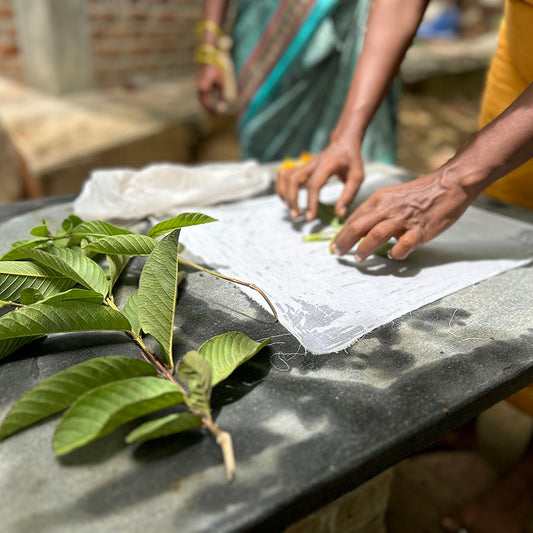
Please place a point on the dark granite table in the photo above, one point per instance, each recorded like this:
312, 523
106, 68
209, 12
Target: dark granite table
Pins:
306, 429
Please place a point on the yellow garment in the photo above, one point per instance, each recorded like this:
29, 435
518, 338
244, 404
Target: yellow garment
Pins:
510, 72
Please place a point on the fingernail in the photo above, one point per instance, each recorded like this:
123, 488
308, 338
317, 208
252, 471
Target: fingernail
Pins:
294, 214
359, 258
334, 249
342, 212
389, 255
309, 217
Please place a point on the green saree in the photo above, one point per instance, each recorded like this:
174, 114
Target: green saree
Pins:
294, 61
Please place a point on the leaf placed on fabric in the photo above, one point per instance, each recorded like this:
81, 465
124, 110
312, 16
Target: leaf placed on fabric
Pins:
157, 293
73, 265
181, 221
164, 426
16, 276
58, 317
196, 371
227, 351
59, 391
123, 245
41, 231
105, 408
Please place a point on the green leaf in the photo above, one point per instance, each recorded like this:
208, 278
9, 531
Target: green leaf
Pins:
117, 263
57, 317
59, 391
227, 351
16, 276
73, 265
102, 410
164, 426
71, 222
131, 312
30, 296
98, 228
196, 371
123, 245
158, 290
12, 345
41, 231
83, 295
181, 221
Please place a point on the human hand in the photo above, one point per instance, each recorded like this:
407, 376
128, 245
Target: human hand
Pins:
341, 158
210, 86
413, 212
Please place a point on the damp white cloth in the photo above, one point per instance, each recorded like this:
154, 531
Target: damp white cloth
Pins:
328, 302
164, 190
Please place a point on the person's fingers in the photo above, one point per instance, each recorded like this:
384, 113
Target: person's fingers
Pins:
286, 174
317, 180
406, 244
354, 230
295, 181
352, 184
375, 238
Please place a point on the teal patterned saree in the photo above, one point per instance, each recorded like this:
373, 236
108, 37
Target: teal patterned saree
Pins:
294, 61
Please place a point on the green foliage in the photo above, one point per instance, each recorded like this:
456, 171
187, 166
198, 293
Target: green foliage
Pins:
181, 221
196, 371
158, 290
228, 351
55, 283
164, 426
59, 391
101, 410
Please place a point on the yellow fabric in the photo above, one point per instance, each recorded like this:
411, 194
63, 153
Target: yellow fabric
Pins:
511, 71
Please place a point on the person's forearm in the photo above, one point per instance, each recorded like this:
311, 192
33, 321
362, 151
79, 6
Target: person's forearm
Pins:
391, 27
214, 11
497, 149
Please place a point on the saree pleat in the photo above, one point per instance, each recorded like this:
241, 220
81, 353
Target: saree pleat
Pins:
294, 62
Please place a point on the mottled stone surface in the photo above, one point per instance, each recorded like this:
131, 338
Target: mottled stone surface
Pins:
306, 429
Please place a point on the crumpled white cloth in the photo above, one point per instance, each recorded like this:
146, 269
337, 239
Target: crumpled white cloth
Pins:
163, 190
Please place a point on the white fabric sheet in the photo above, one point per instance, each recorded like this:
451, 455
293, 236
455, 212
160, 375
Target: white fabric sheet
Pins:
165, 190
329, 302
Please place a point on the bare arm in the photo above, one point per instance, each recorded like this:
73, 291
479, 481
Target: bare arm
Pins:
391, 27
417, 211
210, 80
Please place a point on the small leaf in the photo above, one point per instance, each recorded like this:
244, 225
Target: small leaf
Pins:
71, 222
57, 317
30, 296
164, 426
158, 290
123, 245
41, 231
105, 408
227, 351
59, 391
83, 295
131, 312
16, 276
98, 228
117, 263
73, 265
181, 221
196, 371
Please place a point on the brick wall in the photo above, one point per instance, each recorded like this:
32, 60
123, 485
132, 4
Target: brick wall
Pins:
10, 57
139, 40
